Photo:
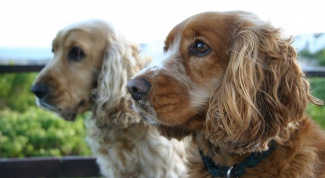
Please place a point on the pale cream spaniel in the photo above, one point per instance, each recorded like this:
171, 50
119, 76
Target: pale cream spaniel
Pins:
90, 69
233, 82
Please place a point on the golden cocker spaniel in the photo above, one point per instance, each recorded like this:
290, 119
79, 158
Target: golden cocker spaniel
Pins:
90, 69
232, 82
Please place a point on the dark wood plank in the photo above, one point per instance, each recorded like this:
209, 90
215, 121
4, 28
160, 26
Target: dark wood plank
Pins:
20, 68
36, 68
30, 167
315, 73
71, 166
79, 166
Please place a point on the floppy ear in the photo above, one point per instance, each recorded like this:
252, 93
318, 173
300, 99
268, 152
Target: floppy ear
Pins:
112, 102
262, 91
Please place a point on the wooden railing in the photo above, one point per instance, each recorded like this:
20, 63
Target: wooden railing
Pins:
37, 68
20, 68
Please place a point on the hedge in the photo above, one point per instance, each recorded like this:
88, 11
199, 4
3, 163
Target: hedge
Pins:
37, 132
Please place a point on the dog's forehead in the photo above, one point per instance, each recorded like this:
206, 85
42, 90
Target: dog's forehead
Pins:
93, 28
201, 23
84, 37
158, 64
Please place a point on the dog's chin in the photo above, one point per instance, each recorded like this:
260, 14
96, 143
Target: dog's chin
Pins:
150, 120
146, 116
68, 116
169, 131
63, 113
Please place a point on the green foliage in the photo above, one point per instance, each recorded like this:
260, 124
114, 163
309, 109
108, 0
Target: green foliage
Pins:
319, 56
14, 91
37, 132
317, 113
26, 130
317, 86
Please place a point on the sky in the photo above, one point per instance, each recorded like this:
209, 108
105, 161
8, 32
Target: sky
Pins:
34, 23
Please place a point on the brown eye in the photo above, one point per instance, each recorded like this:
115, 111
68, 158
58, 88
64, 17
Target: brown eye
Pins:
165, 49
199, 48
76, 54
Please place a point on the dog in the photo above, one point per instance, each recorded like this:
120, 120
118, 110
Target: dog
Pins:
89, 72
232, 81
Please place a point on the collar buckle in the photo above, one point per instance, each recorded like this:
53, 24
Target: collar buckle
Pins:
237, 170
229, 171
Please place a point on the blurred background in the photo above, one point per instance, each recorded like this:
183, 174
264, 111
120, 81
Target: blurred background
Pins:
28, 27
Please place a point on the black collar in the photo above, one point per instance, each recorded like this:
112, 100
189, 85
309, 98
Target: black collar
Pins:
239, 169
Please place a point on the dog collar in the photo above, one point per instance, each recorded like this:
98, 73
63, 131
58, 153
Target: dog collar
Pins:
239, 169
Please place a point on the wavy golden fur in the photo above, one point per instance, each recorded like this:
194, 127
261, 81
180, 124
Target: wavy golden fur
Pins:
233, 82
91, 66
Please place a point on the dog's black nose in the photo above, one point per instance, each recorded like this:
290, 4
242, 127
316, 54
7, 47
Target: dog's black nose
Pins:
39, 90
138, 88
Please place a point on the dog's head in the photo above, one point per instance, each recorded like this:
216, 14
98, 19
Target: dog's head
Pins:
92, 64
230, 75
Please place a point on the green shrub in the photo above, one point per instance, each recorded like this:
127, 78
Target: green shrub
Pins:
317, 86
15, 91
37, 132
317, 113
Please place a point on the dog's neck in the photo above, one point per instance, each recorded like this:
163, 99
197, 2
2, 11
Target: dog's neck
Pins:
220, 155
219, 161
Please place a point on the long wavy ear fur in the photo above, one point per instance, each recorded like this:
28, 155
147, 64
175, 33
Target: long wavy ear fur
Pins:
263, 89
120, 63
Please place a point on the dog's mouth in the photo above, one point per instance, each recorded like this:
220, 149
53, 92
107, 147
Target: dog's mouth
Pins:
146, 111
66, 114
190, 121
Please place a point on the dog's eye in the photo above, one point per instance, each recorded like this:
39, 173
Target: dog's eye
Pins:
76, 54
165, 48
199, 48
